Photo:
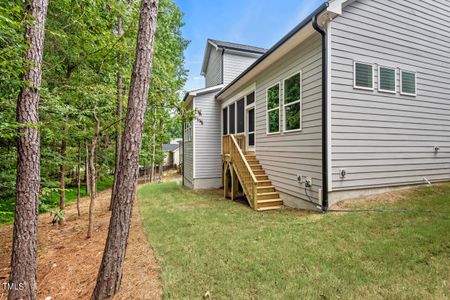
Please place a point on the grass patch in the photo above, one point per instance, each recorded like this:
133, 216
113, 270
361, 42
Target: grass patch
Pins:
206, 243
50, 201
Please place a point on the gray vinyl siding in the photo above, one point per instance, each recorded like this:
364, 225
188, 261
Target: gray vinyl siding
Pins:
384, 139
284, 156
208, 160
213, 74
234, 64
188, 162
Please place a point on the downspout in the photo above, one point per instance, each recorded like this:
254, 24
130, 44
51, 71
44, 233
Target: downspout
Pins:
323, 33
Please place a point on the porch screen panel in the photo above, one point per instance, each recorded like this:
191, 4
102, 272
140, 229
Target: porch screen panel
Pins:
232, 118
240, 114
225, 120
251, 127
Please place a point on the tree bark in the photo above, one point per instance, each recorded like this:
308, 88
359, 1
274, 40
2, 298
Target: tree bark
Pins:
86, 171
24, 248
119, 111
62, 168
93, 173
110, 273
79, 180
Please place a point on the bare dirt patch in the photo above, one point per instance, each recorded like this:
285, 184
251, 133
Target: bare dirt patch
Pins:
68, 262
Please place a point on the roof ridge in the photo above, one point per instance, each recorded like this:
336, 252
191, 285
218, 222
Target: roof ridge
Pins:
240, 46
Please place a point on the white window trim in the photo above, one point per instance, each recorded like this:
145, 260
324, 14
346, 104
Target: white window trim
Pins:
273, 109
354, 77
294, 102
395, 80
188, 131
401, 83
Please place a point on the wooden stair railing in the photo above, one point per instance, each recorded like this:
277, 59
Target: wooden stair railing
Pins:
243, 171
258, 189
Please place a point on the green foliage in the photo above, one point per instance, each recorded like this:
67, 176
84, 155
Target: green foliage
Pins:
163, 120
82, 56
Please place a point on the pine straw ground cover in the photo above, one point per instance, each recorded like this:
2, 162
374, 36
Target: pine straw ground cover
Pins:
68, 262
208, 246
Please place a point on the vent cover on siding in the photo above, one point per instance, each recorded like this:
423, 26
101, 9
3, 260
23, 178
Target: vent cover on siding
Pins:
363, 75
387, 79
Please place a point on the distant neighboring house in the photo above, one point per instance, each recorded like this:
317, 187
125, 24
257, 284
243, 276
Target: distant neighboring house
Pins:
355, 100
172, 156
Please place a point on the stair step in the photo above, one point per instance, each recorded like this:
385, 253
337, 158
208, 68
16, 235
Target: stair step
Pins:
260, 178
252, 160
268, 196
256, 167
269, 208
262, 183
269, 202
259, 172
265, 189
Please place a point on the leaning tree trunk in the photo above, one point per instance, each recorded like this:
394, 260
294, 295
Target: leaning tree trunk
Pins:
93, 173
62, 175
79, 179
119, 111
86, 171
110, 273
24, 248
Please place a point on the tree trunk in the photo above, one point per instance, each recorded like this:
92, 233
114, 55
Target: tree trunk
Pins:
24, 248
87, 174
119, 111
93, 173
62, 167
110, 273
153, 145
79, 180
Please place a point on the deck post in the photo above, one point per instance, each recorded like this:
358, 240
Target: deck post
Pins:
234, 184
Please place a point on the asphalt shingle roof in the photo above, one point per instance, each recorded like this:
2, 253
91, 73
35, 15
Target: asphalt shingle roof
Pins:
236, 46
170, 147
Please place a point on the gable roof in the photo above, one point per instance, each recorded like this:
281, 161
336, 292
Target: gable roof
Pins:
236, 46
331, 7
170, 147
216, 44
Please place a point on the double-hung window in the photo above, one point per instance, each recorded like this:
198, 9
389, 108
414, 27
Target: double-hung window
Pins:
273, 109
292, 103
386, 79
363, 76
188, 131
408, 83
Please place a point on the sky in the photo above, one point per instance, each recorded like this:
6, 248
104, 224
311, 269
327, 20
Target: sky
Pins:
258, 23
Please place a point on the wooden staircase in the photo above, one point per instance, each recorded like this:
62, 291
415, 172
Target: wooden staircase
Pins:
245, 168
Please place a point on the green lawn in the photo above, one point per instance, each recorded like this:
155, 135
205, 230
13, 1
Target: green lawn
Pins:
206, 243
50, 201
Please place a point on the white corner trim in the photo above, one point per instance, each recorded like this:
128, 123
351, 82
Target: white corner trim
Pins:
193, 141
335, 6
